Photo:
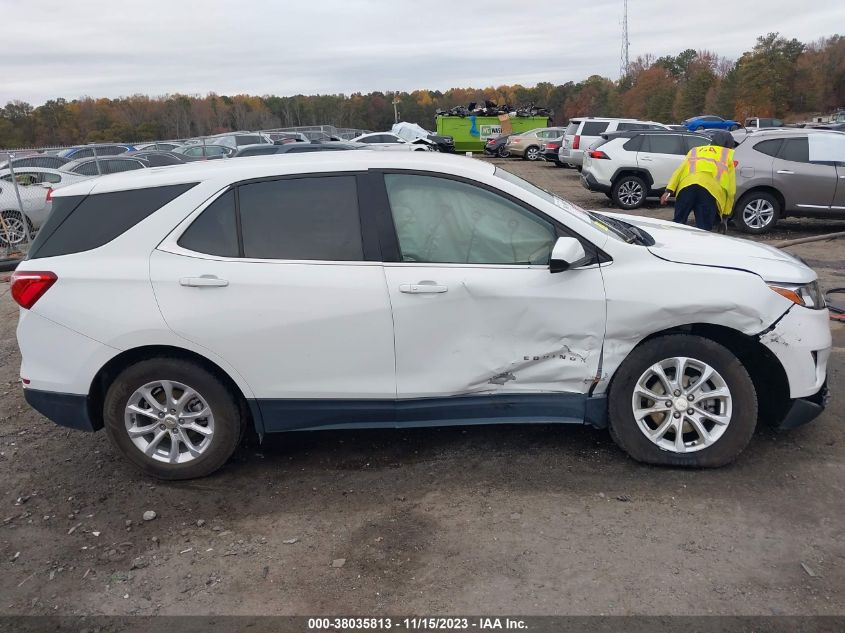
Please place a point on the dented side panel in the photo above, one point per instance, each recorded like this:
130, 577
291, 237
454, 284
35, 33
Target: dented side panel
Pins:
644, 298
496, 329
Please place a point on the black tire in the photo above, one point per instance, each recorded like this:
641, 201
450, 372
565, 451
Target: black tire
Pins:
14, 216
629, 192
623, 425
746, 220
503, 152
229, 418
532, 153
560, 164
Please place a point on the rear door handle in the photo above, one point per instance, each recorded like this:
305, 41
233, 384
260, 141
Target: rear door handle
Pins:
785, 171
417, 289
206, 281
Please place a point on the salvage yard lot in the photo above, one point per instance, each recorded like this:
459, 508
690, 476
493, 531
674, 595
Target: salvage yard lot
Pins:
517, 519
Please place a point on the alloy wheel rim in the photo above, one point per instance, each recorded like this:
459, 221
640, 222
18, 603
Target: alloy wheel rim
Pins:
14, 231
630, 193
758, 213
169, 422
682, 404
533, 153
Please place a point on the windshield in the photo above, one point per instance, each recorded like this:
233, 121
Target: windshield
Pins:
614, 227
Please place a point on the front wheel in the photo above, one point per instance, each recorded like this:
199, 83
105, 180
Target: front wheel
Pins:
757, 212
172, 418
629, 192
682, 400
532, 153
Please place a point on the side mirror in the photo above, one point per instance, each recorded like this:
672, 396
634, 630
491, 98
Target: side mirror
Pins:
567, 252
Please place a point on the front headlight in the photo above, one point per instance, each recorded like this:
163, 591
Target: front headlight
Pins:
807, 295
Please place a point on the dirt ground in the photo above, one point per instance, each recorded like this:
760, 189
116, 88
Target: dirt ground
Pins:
505, 519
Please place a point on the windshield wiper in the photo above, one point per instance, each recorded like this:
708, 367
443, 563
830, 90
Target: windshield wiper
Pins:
622, 229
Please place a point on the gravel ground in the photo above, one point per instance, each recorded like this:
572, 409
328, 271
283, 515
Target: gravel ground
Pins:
505, 519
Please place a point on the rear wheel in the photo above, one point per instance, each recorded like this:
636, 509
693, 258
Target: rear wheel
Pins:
12, 228
503, 151
629, 192
172, 418
682, 400
531, 153
757, 212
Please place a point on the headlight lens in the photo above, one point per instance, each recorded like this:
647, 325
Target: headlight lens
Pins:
807, 295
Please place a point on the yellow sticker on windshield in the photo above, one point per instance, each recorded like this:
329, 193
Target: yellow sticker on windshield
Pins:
601, 225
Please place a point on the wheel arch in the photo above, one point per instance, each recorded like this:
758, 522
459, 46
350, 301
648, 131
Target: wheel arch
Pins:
633, 171
108, 372
765, 189
766, 372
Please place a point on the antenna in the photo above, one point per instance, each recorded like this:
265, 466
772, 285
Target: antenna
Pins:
624, 64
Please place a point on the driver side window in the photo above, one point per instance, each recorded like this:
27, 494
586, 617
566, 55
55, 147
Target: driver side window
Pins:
439, 220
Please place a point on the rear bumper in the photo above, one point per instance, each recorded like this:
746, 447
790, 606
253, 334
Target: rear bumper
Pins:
588, 181
804, 410
65, 409
549, 155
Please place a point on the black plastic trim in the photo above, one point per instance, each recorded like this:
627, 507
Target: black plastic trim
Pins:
804, 410
65, 409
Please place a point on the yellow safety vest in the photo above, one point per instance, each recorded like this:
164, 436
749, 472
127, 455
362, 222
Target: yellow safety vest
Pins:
711, 167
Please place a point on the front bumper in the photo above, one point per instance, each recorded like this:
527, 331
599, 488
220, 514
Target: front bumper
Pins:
804, 410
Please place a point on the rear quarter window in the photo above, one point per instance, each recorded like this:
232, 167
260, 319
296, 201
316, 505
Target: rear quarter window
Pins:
770, 147
82, 223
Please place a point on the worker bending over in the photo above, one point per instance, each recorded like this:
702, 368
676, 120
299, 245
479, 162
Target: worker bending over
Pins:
705, 183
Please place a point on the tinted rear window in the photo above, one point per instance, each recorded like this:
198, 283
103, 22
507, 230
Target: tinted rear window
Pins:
664, 144
634, 144
796, 150
301, 218
572, 128
594, 128
215, 231
80, 223
770, 147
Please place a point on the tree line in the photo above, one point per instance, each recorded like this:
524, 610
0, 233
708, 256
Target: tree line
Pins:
778, 77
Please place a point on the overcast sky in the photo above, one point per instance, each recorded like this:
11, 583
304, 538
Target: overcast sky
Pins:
111, 48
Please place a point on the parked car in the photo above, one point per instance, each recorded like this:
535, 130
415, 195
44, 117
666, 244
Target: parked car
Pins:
528, 145
710, 122
51, 178
237, 139
254, 292
87, 151
287, 137
206, 152
762, 122
296, 148
629, 167
165, 146
160, 158
15, 220
103, 166
497, 146
550, 149
386, 140
779, 176
582, 132
36, 160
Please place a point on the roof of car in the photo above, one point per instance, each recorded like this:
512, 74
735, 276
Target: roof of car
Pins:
633, 133
277, 164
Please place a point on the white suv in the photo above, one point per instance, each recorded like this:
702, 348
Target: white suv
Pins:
629, 167
584, 131
176, 307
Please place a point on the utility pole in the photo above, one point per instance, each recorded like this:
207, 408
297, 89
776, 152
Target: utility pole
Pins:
625, 63
396, 102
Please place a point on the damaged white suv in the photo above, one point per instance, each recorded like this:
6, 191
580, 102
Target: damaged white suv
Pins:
177, 307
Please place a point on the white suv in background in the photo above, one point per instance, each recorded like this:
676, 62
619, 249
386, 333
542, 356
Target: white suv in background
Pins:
629, 167
584, 131
385, 290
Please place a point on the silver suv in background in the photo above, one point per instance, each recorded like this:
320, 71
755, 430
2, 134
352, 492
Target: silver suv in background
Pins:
584, 131
798, 172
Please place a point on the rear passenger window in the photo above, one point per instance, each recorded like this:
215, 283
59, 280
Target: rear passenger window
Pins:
696, 141
770, 147
796, 150
594, 128
664, 144
215, 231
301, 218
79, 224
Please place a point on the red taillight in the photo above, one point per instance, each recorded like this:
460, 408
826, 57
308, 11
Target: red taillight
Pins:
29, 286
576, 142
552, 145
599, 154
49, 194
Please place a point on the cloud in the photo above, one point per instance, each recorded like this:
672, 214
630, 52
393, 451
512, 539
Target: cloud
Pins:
105, 48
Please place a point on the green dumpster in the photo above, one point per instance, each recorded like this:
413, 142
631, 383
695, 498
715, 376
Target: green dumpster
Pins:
471, 132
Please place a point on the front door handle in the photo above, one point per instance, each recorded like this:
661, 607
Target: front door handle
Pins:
422, 288
206, 281
785, 171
